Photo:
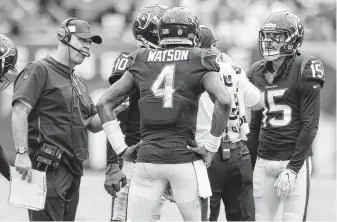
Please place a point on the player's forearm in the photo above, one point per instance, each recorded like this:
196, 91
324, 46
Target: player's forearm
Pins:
253, 135
220, 116
111, 99
310, 113
19, 128
303, 144
254, 129
111, 155
105, 110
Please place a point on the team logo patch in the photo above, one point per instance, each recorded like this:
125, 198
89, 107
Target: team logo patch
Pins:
180, 31
25, 75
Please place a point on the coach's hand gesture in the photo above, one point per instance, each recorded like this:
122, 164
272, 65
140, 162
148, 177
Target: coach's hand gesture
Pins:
23, 165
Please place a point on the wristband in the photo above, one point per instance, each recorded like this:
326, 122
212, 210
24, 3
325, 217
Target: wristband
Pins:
212, 143
115, 136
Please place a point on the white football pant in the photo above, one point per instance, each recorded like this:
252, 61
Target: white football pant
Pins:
148, 183
121, 200
265, 195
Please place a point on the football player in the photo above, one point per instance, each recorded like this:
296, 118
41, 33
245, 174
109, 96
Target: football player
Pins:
8, 58
282, 134
170, 81
145, 30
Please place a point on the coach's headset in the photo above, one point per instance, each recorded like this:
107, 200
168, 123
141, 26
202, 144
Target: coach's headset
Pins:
64, 35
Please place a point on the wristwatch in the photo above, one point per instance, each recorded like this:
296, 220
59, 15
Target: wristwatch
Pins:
21, 150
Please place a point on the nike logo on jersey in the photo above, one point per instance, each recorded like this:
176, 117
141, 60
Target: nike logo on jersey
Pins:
316, 86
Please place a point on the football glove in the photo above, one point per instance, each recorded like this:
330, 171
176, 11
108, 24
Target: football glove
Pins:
285, 182
113, 177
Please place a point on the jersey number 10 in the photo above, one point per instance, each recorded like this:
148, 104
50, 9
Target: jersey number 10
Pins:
121, 64
163, 85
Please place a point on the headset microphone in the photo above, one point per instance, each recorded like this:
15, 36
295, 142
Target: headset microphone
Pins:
64, 35
82, 52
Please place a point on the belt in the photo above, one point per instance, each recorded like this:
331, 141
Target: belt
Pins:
234, 146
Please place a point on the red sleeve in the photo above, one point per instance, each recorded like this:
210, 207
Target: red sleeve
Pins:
30, 84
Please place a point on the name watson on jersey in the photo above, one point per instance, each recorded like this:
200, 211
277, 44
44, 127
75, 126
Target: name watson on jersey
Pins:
168, 55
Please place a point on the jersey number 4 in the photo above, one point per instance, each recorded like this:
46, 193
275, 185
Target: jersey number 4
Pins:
163, 85
272, 108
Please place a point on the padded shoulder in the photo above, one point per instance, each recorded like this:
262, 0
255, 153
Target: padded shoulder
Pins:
312, 69
207, 58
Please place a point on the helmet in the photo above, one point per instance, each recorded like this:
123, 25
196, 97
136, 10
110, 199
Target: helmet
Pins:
281, 23
8, 58
207, 39
178, 26
145, 25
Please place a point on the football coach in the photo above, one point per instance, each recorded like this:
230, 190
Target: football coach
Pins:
52, 111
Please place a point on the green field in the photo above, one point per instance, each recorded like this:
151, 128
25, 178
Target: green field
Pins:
95, 203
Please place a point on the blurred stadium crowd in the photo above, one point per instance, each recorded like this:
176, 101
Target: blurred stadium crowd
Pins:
32, 24
233, 20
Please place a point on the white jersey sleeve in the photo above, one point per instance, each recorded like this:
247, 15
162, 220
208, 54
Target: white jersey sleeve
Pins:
251, 95
204, 118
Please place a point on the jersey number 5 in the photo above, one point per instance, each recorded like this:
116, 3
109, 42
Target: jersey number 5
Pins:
163, 85
272, 108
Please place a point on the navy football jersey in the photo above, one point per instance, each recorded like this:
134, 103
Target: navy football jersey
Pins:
129, 118
288, 105
170, 84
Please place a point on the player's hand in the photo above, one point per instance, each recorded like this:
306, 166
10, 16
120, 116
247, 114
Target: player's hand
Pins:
114, 179
23, 165
206, 155
122, 106
285, 182
130, 154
